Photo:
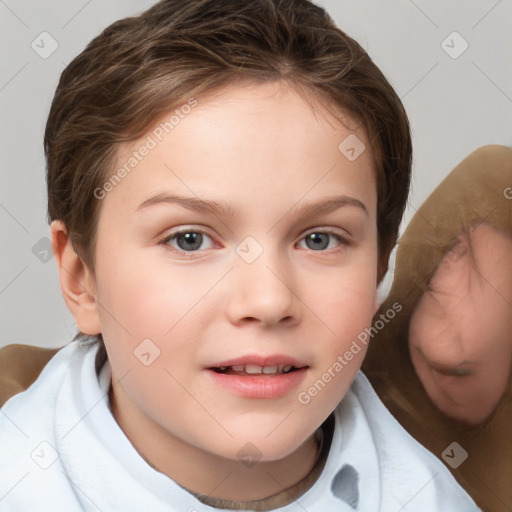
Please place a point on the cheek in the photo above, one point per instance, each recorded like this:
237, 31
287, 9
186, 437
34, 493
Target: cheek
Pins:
344, 303
147, 298
152, 300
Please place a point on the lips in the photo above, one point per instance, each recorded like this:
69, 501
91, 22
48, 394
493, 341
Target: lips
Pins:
257, 376
253, 361
258, 386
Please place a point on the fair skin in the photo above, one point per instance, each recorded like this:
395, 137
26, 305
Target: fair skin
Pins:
460, 333
265, 151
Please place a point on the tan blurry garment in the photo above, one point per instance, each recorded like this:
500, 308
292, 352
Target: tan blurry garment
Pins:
20, 365
478, 190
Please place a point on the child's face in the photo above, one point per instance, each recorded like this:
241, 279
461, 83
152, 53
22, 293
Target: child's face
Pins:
251, 285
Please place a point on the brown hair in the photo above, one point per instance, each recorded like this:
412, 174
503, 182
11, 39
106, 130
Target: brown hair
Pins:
141, 67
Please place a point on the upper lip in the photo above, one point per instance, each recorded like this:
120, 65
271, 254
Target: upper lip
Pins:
259, 360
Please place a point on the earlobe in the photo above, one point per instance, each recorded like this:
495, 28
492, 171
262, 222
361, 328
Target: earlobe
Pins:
76, 282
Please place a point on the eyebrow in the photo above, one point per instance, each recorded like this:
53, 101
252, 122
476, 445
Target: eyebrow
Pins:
223, 209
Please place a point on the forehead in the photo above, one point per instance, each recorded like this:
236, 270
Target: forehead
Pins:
245, 140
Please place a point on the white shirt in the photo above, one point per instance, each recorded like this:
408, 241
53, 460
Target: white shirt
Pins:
62, 450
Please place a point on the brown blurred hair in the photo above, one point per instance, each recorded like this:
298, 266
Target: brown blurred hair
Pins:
141, 67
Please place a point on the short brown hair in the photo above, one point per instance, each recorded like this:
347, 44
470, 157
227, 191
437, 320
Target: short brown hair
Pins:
141, 67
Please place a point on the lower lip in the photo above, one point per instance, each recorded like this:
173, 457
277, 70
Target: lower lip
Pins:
260, 386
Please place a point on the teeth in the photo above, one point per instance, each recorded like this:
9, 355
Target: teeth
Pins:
255, 369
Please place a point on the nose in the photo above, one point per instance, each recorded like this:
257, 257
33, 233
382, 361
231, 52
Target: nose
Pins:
263, 291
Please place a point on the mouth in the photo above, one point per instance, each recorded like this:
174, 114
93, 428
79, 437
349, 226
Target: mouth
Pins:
257, 376
256, 370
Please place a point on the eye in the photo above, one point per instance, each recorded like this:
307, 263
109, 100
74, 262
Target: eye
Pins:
187, 240
321, 240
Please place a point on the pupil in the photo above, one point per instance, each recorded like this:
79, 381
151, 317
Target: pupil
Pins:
191, 241
315, 238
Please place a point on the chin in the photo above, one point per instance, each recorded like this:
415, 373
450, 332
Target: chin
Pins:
259, 449
470, 414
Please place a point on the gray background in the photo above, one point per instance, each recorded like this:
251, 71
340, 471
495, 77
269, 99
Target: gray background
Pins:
455, 106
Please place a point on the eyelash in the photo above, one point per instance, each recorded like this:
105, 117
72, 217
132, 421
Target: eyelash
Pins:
165, 241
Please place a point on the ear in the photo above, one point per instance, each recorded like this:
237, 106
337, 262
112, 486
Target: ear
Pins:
76, 282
